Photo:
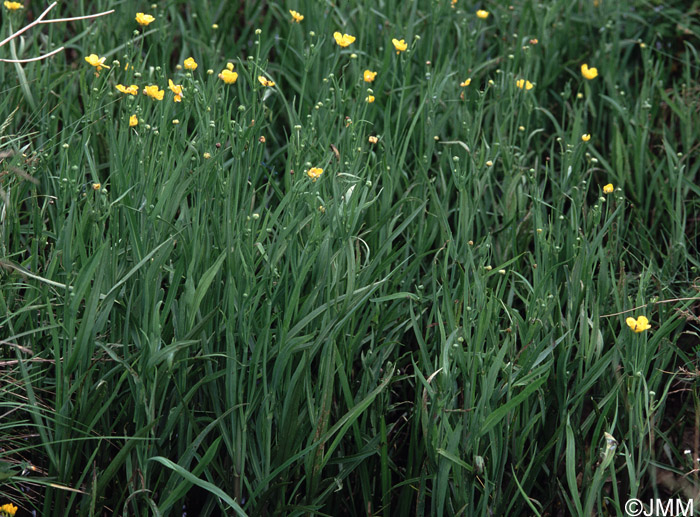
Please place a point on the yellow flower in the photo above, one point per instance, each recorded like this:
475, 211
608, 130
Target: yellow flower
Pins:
482, 14
639, 325
8, 509
370, 98
265, 82
296, 17
314, 173
586, 137
144, 19
131, 90
589, 73
373, 139
229, 67
466, 82
608, 189
369, 76
13, 6
96, 186
228, 76
97, 62
399, 45
190, 64
153, 92
343, 39
522, 83
133, 121
176, 89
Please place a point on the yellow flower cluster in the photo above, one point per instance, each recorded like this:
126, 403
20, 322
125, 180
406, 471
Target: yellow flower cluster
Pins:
296, 17
8, 509
522, 83
588, 73
130, 90
96, 61
638, 325
314, 173
227, 75
176, 89
144, 19
13, 6
154, 92
399, 45
344, 40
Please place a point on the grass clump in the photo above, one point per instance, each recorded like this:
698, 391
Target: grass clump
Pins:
252, 266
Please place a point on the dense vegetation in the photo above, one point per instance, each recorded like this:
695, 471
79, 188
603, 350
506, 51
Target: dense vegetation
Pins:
447, 318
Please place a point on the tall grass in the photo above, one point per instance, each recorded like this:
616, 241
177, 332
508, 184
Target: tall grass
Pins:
436, 325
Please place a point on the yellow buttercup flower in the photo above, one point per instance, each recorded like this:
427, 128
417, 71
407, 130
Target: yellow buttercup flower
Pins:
13, 6
589, 73
228, 76
586, 137
8, 509
153, 92
399, 45
133, 121
608, 189
190, 64
265, 81
466, 82
97, 62
296, 17
370, 98
373, 139
96, 186
176, 89
482, 14
522, 83
144, 19
638, 325
314, 173
131, 90
343, 39
369, 76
